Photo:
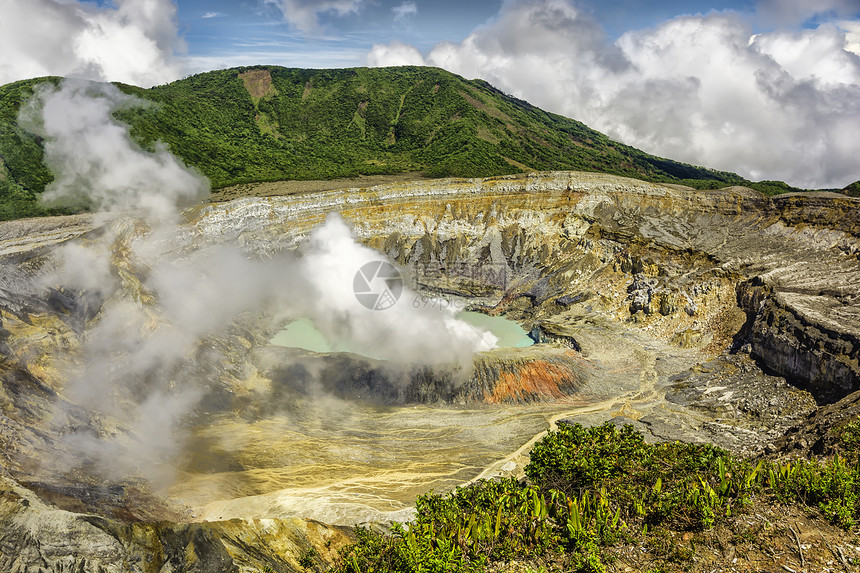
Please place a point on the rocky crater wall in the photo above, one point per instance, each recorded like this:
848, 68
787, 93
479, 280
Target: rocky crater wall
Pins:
677, 262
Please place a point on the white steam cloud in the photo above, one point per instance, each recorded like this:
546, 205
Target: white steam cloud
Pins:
700, 89
95, 162
401, 333
165, 306
132, 41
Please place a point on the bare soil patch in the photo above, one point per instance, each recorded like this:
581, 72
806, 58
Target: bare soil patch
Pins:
259, 84
292, 187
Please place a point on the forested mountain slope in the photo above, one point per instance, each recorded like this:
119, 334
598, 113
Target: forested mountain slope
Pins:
271, 123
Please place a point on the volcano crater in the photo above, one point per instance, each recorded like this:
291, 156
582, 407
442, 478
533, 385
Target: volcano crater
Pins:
719, 316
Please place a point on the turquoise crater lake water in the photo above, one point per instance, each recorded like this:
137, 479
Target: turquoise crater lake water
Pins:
301, 333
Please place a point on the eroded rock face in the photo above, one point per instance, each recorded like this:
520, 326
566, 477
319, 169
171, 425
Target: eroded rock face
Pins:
36, 536
500, 376
807, 336
634, 291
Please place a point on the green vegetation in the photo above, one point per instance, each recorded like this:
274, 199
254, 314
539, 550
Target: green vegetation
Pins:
22, 173
589, 488
849, 440
853, 190
270, 123
308, 558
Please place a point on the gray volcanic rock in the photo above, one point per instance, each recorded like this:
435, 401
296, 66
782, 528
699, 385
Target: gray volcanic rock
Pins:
807, 336
500, 376
750, 409
36, 536
819, 434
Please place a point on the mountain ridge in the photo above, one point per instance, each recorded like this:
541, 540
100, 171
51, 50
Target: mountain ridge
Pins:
269, 123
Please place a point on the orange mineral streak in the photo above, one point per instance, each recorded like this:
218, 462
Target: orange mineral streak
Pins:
536, 380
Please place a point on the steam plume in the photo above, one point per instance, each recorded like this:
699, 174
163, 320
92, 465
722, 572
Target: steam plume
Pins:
94, 161
149, 355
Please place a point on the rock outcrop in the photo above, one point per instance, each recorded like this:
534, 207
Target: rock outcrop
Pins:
499, 376
36, 536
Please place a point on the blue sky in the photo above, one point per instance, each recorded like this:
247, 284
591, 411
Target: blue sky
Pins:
234, 30
769, 89
239, 31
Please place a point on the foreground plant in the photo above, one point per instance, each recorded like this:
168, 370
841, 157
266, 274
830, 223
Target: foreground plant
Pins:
589, 488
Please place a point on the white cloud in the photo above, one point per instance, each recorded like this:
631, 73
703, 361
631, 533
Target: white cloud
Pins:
304, 15
852, 36
813, 55
403, 12
395, 54
134, 41
208, 15
700, 89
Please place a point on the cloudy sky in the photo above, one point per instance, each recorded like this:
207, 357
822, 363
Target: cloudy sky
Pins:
766, 88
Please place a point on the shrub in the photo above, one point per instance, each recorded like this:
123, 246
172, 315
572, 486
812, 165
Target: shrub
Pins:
590, 487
